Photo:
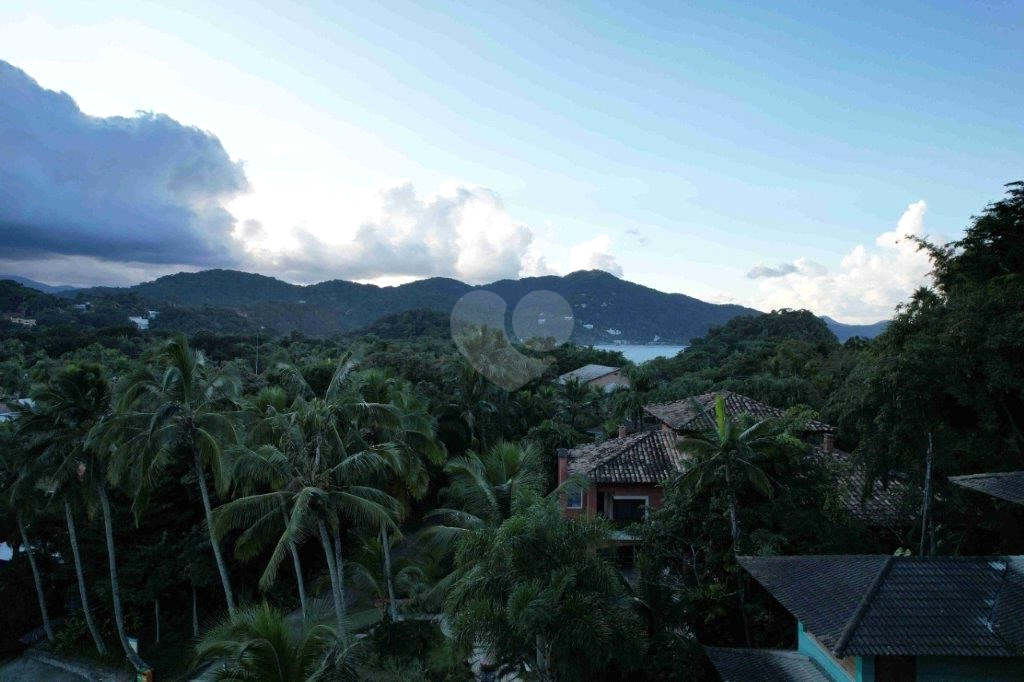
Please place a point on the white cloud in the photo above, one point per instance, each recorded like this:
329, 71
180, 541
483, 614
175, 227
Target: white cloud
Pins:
459, 231
869, 283
594, 255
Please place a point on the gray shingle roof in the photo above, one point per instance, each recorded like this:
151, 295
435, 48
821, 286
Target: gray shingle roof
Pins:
902, 606
647, 457
587, 373
1008, 485
760, 665
697, 413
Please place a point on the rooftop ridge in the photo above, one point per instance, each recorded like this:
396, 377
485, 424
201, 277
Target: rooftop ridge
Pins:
862, 607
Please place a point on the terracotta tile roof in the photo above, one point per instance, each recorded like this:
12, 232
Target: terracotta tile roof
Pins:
760, 665
647, 457
902, 606
1008, 485
697, 413
895, 505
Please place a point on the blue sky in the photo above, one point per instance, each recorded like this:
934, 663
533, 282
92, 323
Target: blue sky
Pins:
682, 146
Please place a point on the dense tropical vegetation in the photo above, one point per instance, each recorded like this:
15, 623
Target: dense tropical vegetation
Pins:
243, 504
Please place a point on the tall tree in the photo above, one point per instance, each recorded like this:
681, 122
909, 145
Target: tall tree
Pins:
538, 596
22, 499
183, 407
328, 479
65, 410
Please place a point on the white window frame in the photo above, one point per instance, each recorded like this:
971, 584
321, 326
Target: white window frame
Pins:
645, 498
568, 500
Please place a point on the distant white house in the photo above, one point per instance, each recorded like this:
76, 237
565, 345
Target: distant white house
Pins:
7, 413
598, 376
141, 322
23, 321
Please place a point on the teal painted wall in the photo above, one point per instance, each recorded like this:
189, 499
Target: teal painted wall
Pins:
987, 669
810, 648
865, 669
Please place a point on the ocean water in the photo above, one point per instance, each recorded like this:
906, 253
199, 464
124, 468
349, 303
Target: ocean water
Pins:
640, 354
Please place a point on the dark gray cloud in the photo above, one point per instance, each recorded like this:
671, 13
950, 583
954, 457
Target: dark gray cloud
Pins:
144, 189
764, 271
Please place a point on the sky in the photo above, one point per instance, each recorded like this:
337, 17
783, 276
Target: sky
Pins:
768, 154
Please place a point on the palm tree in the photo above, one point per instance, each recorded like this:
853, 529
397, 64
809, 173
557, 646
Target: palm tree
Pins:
628, 403
728, 455
408, 428
84, 393
20, 494
576, 395
65, 410
184, 408
261, 643
485, 489
327, 473
266, 426
567, 616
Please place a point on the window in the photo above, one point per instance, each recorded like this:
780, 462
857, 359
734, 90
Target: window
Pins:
574, 500
630, 509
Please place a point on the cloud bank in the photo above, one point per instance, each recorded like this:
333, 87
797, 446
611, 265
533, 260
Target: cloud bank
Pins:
868, 285
460, 231
144, 189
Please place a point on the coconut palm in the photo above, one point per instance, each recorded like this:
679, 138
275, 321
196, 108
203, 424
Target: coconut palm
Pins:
485, 488
327, 475
181, 407
22, 498
729, 456
408, 430
83, 392
57, 426
576, 396
260, 643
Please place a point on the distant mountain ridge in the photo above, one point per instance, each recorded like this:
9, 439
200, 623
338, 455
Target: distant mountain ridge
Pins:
38, 286
606, 308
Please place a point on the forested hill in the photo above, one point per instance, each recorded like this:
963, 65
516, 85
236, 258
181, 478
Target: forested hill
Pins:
605, 307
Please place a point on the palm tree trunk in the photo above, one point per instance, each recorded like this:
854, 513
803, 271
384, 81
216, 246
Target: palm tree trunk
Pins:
80, 574
735, 531
115, 587
195, 612
339, 566
156, 617
47, 627
332, 571
926, 498
386, 548
221, 566
298, 567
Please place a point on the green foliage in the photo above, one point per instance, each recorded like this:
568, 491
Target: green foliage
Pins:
537, 594
260, 643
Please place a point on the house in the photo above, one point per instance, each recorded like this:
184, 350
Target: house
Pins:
23, 321
628, 471
597, 376
142, 323
7, 413
624, 474
1007, 485
883, 618
696, 414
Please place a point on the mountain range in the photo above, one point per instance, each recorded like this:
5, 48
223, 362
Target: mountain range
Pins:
605, 308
